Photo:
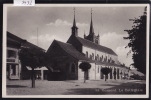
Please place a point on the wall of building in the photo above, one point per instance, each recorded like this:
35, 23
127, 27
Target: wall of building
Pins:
13, 63
96, 74
99, 54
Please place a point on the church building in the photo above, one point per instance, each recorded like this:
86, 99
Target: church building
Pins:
65, 58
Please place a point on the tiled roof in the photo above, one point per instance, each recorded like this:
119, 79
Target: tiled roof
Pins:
30, 45
107, 64
95, 46
68, 48
13, 38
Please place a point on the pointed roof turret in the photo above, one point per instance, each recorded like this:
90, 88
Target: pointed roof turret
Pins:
74, 27
98, 34
91, 25
74, 21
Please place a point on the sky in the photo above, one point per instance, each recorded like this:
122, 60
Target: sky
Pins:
49, 23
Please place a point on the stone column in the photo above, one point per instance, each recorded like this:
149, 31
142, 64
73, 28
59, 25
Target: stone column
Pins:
10, 71
117, 71
112, 73
42, 74
120, 74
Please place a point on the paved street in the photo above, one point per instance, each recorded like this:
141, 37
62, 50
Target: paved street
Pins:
98, 87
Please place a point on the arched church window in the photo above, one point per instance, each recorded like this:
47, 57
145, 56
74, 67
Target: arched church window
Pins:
106, 58
92, 56
100, 59
73, 67
97, 57
86, 53
110, 60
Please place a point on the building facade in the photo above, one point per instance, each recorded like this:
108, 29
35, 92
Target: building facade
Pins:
14, 68
66, 57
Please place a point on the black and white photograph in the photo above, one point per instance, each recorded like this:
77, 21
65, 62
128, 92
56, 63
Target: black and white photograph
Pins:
76, 50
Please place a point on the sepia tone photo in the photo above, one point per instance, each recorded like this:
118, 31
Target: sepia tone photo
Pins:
76, 50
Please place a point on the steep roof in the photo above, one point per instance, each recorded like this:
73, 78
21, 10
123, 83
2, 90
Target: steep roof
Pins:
68, 48
30, 45
95, 46
13, 38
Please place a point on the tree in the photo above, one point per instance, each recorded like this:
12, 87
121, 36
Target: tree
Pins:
137, 43
33, 58
105, 71
85, 66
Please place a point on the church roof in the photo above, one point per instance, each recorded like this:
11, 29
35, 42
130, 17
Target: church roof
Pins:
95, 46
68, 48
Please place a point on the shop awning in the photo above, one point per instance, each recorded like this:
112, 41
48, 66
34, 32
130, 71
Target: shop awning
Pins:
42, 68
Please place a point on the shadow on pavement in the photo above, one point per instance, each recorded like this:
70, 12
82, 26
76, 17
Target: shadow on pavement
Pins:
15, 86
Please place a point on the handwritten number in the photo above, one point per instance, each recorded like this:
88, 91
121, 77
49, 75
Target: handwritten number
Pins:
29, 2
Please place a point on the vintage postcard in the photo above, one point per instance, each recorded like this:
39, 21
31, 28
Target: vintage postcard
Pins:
76, 51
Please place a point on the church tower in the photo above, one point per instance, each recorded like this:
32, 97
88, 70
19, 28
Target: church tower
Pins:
74, 27
92, 37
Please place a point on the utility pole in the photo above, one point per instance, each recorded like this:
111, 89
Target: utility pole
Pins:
37, 36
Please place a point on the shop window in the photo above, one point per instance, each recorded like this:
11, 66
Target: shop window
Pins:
11, 54
13, 69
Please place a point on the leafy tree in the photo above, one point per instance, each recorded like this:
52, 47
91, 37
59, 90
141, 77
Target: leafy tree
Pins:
105, 71
33, 58
85, 66
137, 43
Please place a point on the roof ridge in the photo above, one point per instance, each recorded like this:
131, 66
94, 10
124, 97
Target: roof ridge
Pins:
111, 51
95, 43
62, 42
71, 46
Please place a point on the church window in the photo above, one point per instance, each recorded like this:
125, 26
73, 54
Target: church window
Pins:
106, 58
86, 53
100, 59
92, 56
97, 56
73, 68
98, 69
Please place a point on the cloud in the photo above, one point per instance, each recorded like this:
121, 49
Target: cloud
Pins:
59, 22
117, 43
44, 40
112, 40
122, 55
82, 25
